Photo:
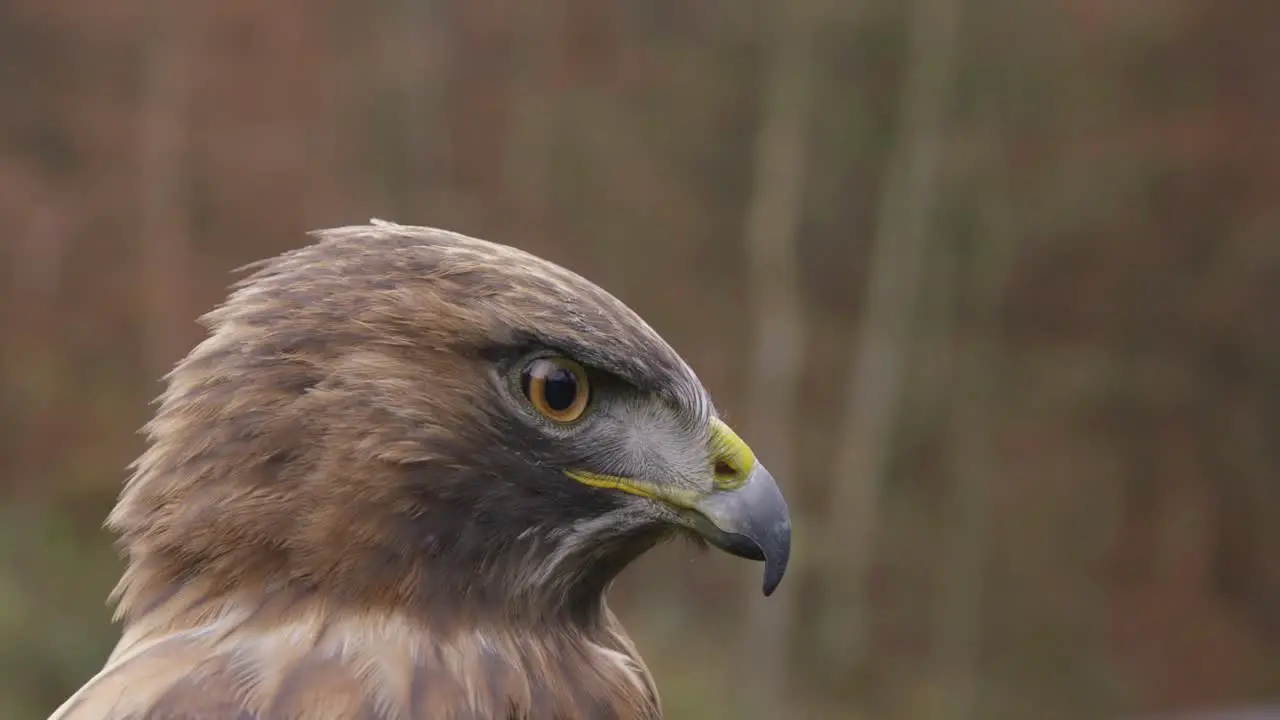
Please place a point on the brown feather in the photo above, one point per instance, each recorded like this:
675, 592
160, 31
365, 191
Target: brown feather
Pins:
244, 661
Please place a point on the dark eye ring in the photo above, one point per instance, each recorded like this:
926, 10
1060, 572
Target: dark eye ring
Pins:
557, 388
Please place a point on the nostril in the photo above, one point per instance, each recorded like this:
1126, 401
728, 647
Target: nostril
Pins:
724, 469
728, 475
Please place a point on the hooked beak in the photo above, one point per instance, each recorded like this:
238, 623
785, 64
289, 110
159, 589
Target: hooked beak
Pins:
743, 514
750, 521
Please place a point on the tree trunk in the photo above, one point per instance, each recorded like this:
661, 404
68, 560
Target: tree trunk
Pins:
774, 215
973, 415
874, 387
165, 236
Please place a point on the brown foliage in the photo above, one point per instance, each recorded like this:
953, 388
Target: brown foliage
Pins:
1131, 542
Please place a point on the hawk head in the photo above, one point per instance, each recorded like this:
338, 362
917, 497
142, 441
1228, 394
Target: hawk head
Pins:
407, 417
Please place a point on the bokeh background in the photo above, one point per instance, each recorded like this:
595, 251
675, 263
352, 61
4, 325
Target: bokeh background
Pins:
992, 285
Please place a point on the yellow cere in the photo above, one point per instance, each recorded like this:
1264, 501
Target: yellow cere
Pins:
731, 463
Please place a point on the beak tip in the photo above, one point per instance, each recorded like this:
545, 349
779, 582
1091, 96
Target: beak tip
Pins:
769, 587
775, 567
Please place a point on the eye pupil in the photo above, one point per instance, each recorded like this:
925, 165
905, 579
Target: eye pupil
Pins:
560, 389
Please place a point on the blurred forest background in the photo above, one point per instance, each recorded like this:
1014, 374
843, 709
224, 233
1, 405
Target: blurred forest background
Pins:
992, 285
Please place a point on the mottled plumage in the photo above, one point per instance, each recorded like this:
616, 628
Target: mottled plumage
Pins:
351, 505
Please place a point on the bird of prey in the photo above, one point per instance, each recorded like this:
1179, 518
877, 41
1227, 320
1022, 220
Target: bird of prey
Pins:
394, 483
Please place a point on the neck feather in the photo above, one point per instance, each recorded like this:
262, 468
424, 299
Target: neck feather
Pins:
417, 666
556, 576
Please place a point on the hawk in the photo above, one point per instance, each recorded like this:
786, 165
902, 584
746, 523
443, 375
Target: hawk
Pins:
394, 483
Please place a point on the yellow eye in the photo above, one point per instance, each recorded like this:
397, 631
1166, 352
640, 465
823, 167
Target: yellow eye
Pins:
557, 388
